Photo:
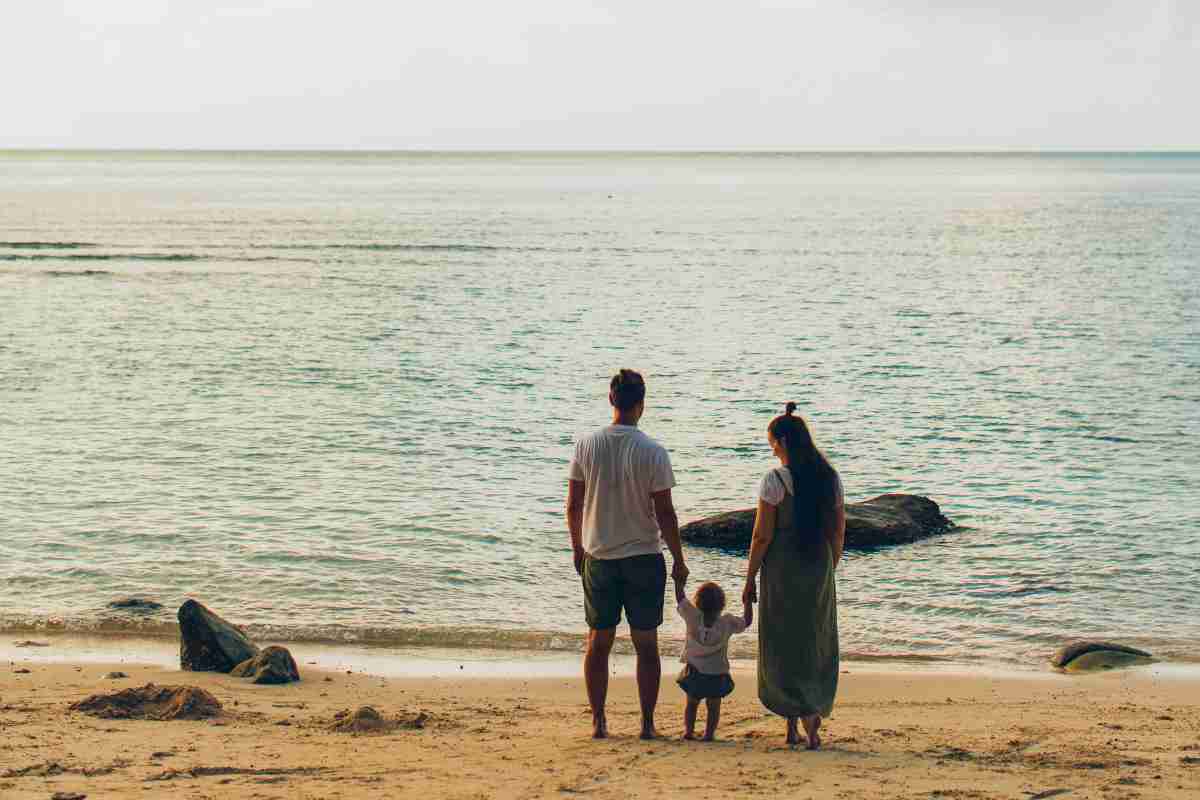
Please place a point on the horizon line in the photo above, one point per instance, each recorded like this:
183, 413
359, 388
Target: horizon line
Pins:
1193, 150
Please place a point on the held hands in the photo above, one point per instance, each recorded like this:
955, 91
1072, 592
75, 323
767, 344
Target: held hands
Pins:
750, 592
679, 572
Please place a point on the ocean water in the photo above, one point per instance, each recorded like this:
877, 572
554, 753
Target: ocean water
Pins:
333, 395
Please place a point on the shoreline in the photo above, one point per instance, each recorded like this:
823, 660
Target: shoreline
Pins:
507, 729
418, 661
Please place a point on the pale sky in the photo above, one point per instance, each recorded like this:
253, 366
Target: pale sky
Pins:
784, 74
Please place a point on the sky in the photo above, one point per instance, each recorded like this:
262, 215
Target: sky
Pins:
568, 74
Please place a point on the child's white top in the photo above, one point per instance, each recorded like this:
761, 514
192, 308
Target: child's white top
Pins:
707, 648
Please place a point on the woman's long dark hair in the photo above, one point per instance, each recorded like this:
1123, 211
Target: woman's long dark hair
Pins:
814, 480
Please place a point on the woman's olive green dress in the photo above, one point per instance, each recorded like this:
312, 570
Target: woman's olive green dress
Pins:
797, 628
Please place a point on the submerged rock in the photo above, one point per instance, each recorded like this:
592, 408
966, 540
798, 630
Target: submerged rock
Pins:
151, 702
1088, 655
273, 664
135, 605
208, 643
881, 521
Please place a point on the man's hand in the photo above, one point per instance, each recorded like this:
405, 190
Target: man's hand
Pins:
580, 555
679, 572
750, 592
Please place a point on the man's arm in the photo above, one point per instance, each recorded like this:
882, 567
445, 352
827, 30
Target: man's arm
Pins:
575, 495
668, 523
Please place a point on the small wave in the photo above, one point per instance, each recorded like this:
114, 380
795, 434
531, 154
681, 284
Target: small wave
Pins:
102, 257
75, 273
47, 245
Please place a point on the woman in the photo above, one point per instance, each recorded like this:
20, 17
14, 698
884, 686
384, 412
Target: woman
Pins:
798, 538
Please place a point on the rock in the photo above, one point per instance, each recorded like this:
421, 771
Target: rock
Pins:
884, 520
68, 796
272, 665
135, 605
151, 702
209, 643
1088, 655
113, 676
30, 643
20, 671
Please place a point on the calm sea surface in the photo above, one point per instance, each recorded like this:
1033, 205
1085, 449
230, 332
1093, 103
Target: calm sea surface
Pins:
333, 395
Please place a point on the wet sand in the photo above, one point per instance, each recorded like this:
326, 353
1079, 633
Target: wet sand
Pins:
894, 734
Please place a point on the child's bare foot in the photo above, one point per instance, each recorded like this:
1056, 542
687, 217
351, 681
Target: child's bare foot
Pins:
599, 726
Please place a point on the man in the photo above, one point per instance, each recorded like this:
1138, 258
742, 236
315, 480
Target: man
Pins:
618, 502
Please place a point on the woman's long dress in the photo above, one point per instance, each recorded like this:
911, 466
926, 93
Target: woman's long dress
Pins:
797, 630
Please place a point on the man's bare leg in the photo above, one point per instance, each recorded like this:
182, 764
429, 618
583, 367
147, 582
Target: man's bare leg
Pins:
689, 717
714, 716
595, 675
649, 675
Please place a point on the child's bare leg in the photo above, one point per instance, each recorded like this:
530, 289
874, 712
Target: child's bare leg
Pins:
714, 716
689, 717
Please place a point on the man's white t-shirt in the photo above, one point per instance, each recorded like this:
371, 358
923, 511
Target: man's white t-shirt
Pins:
620, 467
707, 647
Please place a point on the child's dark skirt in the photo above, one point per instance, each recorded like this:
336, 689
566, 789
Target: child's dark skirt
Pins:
702, 686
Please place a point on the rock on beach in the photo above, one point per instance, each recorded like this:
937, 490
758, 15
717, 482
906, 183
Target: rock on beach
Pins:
885, 520
209, 643
1093, 655
272, 664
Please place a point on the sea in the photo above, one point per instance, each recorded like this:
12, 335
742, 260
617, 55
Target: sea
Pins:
333, 395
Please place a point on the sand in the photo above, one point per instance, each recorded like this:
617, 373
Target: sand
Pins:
894, 734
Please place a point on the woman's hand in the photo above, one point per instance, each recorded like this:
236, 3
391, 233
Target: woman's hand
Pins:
750, 592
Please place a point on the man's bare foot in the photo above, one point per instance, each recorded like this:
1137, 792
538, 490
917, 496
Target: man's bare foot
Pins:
599, 726
708, 737
811, 726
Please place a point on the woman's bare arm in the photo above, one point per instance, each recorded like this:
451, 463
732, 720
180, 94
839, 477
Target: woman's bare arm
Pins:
764, 532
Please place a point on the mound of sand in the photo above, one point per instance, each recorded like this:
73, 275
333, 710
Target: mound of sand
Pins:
368, 720
151, 702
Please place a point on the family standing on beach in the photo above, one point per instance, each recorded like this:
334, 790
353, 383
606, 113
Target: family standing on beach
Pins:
620, 514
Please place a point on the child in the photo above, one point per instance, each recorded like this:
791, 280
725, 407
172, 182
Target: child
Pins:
706, 653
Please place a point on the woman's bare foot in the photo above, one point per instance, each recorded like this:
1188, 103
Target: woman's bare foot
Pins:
648, 733
689, 735
793, 735
811, 725
599, 726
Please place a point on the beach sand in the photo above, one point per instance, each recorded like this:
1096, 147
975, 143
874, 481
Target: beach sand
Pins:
932, 733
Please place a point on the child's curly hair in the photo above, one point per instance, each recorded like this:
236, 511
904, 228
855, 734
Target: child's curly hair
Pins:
710, 599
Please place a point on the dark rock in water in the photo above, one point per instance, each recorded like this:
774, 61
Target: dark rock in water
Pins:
885, 520
30, 643
136, 605
209, 643
273, 665
1097, 655
114, 676
151, 702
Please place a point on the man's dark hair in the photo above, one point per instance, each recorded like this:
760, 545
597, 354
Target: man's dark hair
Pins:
627, 389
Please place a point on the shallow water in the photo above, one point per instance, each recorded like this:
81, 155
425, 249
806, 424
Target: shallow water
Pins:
333, 395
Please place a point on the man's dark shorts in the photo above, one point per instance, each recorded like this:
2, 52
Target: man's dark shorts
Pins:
636, 583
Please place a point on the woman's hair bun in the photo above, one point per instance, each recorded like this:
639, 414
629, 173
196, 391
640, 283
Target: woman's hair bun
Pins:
789, 408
